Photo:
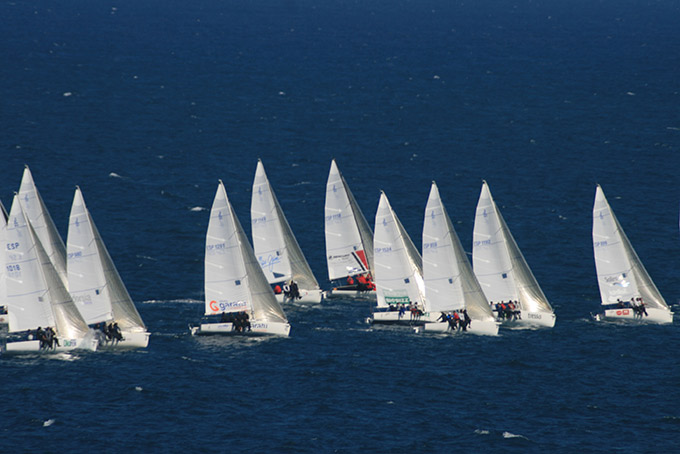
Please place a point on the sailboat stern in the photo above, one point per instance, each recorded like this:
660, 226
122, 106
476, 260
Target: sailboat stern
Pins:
313, 296
478, 327
130, 340
257, 328
654, 315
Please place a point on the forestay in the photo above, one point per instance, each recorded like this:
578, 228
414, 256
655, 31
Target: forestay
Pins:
40, 219
450, 283
276, 248
234, 280
94, 282
349, 239
620, 273
36, 295
498, 262
398, 265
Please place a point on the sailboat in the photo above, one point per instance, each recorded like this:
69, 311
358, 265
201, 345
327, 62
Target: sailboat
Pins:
349, 241
94, 282
276, 248
622, 278
234, 280
35, 294
450, 283
40, 219
398, 270
502, 270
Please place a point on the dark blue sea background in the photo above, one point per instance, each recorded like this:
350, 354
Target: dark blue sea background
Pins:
145, 104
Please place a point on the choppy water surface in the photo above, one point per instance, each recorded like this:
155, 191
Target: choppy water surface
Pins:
146, 106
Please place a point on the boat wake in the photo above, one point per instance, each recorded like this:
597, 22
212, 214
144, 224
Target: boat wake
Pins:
64, 356
176, 301
504, 434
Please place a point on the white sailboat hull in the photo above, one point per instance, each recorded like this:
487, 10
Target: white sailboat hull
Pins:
89, 343
479, 327
535, 319
257, 328
314, 296
131, 339
392, 317
369, 295
655, 315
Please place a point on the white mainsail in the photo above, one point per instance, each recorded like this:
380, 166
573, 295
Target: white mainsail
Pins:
234, 280
36, 296
42, 223
275, 246
349, 240
498, 262
94, 282
398, 265
450, 283
620, 273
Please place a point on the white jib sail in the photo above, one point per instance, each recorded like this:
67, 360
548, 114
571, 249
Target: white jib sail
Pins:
94, 282
450, 282
620, 273
234, 280
42, 223
276, 248
36, 295
349, 240
498, 262
398, 266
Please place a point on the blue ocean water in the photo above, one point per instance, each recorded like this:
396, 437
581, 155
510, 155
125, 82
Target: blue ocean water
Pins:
146, 104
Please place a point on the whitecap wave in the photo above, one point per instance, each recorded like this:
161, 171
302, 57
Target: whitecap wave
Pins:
114, 175
48, 423
198, 209
139, 388
482, 432
512, 435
